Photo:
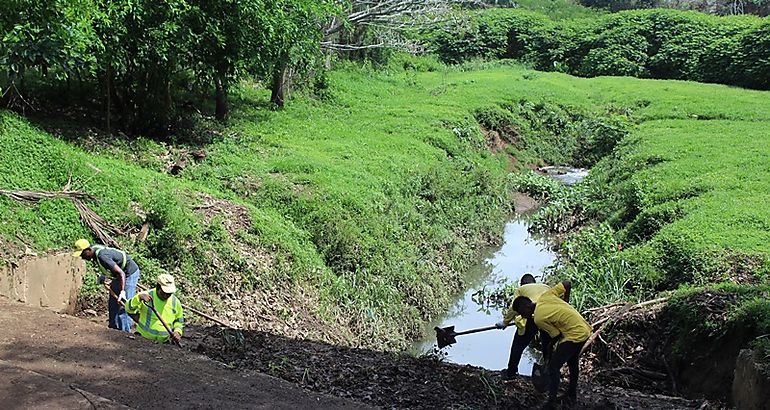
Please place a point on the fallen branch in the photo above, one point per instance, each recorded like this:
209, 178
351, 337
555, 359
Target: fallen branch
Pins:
35, 196
611, 305
617, 315
625, 309
98, 225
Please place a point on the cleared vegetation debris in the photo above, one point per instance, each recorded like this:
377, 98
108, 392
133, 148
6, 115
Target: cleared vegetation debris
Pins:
100, 227
398, 380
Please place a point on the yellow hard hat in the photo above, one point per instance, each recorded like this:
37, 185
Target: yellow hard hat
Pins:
80, 245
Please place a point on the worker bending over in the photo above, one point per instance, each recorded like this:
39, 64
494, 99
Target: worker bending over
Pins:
565, 325
119, 266
165, 302
525, 328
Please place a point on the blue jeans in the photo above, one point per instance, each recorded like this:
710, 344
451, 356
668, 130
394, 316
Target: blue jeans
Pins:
118, 317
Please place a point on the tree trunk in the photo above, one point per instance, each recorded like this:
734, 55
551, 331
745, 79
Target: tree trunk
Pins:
109, 101
280, 79
222, 108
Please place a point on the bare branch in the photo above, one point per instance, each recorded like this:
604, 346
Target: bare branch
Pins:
395, 14
327, 45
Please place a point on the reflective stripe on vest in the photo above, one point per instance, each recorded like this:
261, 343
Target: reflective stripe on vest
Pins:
149, 315
98, 248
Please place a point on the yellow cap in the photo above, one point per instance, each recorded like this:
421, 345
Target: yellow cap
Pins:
166, 283
80, 245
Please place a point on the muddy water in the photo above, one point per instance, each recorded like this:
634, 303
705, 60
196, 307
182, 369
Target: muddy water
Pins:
520, 252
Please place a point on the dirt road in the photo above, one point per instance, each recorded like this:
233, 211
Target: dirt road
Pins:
52, 361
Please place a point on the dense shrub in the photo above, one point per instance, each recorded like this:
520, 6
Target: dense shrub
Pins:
754, 58
663, 44
497, 33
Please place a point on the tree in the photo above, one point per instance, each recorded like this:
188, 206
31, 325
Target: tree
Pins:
52, 38
229, 38
298, 31
263, 39
140, 60
389, 18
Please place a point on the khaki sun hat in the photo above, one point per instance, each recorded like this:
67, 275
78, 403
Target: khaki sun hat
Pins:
80, 246
166, 283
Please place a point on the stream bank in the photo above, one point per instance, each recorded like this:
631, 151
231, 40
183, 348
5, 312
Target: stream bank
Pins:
521, 252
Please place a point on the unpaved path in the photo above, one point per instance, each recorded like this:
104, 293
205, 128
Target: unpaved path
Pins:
52, 361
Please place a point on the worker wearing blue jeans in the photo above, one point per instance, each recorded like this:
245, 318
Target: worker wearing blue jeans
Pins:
124, 273
118, 318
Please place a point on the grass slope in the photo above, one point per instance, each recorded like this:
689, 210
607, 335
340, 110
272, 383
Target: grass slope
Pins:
374, 198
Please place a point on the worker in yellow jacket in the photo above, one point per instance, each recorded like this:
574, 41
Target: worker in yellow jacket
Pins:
168, 306
525, 328
565, 325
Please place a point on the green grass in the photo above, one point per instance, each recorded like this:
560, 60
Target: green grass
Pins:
713, 179
379, 195
559, 9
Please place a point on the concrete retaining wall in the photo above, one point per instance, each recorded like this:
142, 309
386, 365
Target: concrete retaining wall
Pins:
51, 282
751, 387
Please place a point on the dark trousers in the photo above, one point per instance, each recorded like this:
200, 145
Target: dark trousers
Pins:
567, 352
520, 342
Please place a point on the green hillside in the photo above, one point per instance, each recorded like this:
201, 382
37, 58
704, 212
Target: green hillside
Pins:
374, 198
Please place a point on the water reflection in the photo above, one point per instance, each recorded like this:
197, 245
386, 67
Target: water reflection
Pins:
567, 175
520, 252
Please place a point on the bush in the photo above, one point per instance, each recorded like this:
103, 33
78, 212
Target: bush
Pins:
664, 44
752, 69
536, 185
593, 261
496, 33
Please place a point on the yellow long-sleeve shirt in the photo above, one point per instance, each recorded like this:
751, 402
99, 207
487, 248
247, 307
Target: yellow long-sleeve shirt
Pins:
148, 324
531, 290
556, 316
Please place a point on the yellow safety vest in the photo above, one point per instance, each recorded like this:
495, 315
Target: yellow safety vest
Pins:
97, 249
148, 324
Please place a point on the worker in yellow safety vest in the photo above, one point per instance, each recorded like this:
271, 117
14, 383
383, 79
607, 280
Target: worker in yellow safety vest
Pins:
165, 302
123, 270
565, 325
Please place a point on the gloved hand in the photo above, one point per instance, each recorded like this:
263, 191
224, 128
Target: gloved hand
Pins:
122, 296
500, 325
101, 279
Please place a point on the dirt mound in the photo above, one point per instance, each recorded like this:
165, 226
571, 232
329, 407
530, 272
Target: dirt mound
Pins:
235, 217
647, 351
392, 380
270, 301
